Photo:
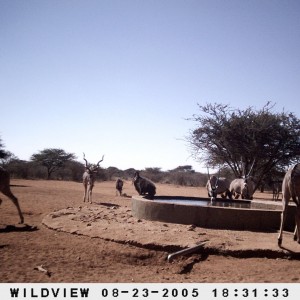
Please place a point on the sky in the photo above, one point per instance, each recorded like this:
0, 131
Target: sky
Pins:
122, 77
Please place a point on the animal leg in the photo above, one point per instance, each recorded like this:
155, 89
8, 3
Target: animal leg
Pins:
85, 190
283, 217
90, 194
7, 192
297, 232
228, 194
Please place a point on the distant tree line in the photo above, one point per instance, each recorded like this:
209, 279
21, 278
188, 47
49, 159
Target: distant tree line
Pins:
56, 164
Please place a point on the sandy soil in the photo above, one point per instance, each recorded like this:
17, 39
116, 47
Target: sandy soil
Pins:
102, 242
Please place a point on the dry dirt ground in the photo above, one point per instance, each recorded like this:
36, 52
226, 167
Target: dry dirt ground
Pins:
102, 242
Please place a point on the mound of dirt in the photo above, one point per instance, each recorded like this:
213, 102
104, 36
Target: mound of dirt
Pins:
115, 223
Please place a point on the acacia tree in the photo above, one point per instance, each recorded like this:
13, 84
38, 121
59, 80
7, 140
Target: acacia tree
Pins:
241, 138
3, 153
53, 159
185, 169
8, 158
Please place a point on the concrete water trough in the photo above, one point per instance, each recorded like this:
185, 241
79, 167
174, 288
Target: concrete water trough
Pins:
259, 215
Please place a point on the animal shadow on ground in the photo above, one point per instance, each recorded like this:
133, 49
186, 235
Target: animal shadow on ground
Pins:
126, 196
292, 254
19, 228
186, 265
108, 204
18, 185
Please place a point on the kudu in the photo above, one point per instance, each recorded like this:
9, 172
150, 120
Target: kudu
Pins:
244, 186
291, 189
89, 177
217, 185
5, 189
276, 189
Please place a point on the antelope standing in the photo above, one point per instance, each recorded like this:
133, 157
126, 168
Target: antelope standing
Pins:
244, 186
5, 189
291, 189
276, 189
89, 177
217, 185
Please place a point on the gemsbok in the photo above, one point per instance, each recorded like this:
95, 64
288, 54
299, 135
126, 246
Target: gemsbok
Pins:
291, 189
244, 186
5, 189
217, 185
89, 177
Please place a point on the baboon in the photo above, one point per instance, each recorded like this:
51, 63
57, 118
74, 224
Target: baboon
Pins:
119, 186
144, 186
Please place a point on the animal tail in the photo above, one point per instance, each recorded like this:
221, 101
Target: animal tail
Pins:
295, 173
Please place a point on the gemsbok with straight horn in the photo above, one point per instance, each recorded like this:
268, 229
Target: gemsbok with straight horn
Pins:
5, 189
291, 189
244, 186
89, 177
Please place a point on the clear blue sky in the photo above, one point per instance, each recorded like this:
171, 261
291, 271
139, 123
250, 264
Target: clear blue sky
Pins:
120, 77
